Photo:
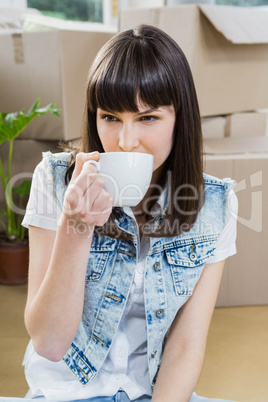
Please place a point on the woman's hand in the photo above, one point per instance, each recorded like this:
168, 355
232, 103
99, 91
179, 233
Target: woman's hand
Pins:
86, 202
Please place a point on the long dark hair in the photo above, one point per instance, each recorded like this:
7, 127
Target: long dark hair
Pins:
147, 63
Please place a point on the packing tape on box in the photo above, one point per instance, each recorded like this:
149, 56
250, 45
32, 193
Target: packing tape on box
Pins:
18, 48
155, 16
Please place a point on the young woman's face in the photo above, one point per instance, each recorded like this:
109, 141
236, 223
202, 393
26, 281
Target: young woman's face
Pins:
148, 131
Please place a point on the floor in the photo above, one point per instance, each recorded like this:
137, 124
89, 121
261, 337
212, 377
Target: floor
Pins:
236, 363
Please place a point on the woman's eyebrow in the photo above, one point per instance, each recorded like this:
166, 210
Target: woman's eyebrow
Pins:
151, 110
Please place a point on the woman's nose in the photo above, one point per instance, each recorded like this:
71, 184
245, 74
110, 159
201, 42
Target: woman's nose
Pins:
128, 139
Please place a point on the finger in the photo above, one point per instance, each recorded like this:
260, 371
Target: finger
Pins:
101, 201
88, 163
84, 180
80, 159
101, 211
93, 191
87, 177
102, 207
82, 193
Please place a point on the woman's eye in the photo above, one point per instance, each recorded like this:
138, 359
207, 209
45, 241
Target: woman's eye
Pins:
109, 118
149, 118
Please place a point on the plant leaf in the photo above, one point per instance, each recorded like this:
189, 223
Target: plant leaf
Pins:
4, 226
5, 133
34, 106
12, 124
49, 108
4, 213
23, 189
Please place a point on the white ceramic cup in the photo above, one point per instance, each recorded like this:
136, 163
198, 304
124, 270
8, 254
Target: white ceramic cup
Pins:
127, 175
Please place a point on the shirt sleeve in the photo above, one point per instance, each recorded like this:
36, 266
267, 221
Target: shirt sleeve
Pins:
226, 243
42, 209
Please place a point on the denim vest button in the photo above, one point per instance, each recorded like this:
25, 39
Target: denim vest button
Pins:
153, 354
156, 266
159, 313
193, 256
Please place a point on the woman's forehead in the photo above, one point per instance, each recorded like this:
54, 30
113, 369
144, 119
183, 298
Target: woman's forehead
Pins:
141, 105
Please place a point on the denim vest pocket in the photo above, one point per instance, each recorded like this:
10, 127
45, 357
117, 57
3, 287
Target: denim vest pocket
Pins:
96, 264
187, 262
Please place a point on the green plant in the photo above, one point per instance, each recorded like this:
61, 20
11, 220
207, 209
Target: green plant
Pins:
11, 126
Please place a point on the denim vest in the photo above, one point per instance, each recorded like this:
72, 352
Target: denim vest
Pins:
173, 268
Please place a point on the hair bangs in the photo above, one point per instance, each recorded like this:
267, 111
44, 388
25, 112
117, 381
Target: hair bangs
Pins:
134, 76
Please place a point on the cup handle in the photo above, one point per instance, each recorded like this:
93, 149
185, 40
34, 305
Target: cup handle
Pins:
91, 162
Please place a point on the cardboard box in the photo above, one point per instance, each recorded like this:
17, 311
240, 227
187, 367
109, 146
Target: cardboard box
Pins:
141, 3
213, 127
245, 274
52, 65
26, 155
176, 2
11, 16
227, 49
247, 124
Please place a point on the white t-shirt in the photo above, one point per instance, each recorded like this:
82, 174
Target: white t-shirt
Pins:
125, 366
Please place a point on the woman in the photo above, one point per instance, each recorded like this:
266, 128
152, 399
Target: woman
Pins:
120, 299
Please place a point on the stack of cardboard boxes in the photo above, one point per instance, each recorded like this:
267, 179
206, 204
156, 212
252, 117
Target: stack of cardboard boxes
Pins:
227, 49
49, 60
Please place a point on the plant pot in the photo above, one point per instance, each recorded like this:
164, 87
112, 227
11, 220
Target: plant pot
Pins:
14, 261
